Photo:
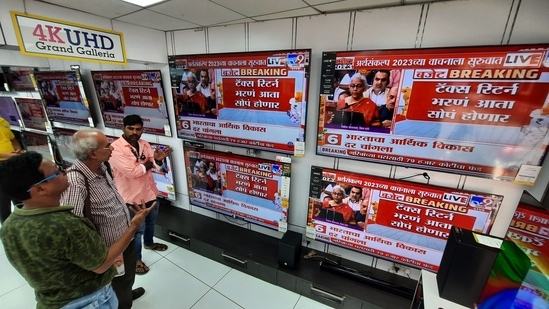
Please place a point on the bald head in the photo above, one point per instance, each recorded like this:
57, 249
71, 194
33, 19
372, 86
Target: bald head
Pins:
391, 98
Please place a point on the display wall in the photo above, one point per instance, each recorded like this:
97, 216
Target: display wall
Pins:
410, 26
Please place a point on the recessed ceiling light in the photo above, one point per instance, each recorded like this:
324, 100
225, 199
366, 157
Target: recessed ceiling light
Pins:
143, 3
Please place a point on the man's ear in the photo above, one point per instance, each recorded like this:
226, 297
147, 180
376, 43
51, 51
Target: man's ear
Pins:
39, 190
91, 154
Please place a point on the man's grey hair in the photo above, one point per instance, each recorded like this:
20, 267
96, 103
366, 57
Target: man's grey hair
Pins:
82, 142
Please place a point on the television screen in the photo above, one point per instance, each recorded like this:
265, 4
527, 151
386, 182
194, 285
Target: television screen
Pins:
20, 78
402, 221
163, 177
63, 138
37, 142
64, 97
32, 113
9, 112
122, 93
254, 99
254, 189
481, 111
529, 230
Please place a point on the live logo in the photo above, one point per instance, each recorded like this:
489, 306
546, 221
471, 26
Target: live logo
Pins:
523, 59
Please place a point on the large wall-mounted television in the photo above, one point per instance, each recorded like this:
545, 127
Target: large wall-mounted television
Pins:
37, 142
405, 222
63, 138
122, 93
250, 188
529, 230
8, 111
20, 78
64, 97
33, 114
254, 99
162, 177
481, 111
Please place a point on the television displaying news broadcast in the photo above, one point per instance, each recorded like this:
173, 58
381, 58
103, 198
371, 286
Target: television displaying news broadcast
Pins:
254, 189
64, 97
37, 142
122, 93
163, 177
405, 222
20, 78
8, 111
481, 111
63, 138
254, 99
33, 114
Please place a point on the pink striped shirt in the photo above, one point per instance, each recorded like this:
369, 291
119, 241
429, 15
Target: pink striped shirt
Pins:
134, 183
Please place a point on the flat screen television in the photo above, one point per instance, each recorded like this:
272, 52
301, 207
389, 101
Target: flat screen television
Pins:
529, 230
8, 111
405, 222
20, 78
122, 93
37, 142
481, 111
63, 95
63, 138
33, 114
254, 99
253, 189
163, 177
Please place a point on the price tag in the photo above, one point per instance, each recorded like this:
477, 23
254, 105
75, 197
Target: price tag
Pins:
283, 159
310, 232
527, 175
167, 130
90, 121
299, 149
47, 124
282, 226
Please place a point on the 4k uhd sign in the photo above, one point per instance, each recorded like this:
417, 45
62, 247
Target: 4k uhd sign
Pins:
45, 37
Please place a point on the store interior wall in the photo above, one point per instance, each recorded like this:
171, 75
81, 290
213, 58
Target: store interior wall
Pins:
442, 24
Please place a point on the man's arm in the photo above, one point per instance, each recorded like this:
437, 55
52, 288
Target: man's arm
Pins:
125, 163
16, 145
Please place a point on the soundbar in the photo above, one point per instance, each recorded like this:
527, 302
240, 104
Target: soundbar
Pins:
363, 278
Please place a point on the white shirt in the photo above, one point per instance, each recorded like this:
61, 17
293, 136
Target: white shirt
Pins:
379, 99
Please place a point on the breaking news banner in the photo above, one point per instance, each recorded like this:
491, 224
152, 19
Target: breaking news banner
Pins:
33, 115
254, 99
401, 221
122, 93
64, 97
53, 38
481, 111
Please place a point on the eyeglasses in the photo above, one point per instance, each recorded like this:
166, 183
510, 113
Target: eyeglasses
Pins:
336, 193
108, 147
60, 171
356, 86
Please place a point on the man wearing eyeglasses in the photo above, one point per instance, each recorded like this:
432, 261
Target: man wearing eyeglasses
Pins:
108, 211
132, 162
378, 91
60, 255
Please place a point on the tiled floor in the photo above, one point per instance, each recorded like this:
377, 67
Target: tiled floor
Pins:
178, 279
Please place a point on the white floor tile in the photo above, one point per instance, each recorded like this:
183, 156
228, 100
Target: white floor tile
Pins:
171, 247
168, 286
11, 279
215, 300
206, 270
22, 297
307, 303
252, 293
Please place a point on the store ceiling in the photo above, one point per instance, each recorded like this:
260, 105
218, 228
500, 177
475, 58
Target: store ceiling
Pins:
192, 14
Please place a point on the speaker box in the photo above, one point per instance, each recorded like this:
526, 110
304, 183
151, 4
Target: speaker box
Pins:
289, 249
465, 266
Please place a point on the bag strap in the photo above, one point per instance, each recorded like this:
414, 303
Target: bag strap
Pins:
87, 201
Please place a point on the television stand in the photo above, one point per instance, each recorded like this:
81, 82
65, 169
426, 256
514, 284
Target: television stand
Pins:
366, 278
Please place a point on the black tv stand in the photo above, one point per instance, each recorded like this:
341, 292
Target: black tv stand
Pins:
366, 278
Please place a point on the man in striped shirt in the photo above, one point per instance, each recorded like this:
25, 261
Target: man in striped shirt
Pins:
109, 212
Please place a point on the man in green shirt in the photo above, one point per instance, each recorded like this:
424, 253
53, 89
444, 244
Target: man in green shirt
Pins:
60, 255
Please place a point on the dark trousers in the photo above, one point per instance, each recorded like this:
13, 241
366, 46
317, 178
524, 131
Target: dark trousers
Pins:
122, 285
5, 206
